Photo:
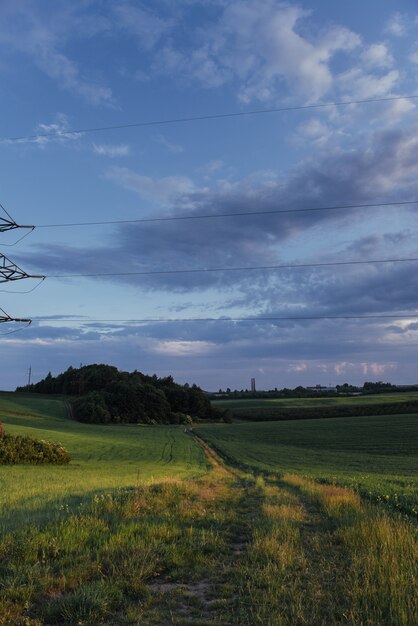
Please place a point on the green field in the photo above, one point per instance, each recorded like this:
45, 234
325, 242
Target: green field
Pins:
103, 458
383, 398
376, 455
145, 527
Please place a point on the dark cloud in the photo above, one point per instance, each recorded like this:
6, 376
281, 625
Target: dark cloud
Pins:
385, 168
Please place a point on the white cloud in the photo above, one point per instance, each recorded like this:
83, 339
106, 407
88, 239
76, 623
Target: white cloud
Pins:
171, 147
183, 348
397, 109
162, 189
378, 55
298, 367
397, 25
281, 53
143, 24
413, 57
315, 130
377, 369
43, 134
196, 64
112, 151
359, 84
22, 30
259, 46
341, 368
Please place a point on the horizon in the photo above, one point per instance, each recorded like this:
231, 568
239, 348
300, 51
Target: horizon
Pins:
244, 389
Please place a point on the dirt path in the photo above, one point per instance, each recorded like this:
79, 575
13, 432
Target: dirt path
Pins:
284, 558
272, 550
69, 409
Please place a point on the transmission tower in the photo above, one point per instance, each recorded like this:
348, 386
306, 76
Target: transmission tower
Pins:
8, 223
5, 317
9, 271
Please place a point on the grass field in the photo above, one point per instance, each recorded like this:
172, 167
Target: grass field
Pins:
376, 455
149, 526
383, 398
103, 458
227, 549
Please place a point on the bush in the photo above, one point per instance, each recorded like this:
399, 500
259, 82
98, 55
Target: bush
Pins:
27, 450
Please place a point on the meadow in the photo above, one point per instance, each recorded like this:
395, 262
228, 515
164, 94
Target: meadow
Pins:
375, 455
369, 399
149, 525
103, 458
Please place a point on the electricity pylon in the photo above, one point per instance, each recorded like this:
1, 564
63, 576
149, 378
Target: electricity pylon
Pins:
8, 223
9, 271
6, 318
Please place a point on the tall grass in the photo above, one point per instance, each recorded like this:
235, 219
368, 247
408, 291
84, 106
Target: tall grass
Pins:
379, 554
335, 501
375, 456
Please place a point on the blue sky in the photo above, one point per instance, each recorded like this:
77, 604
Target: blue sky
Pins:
96, 63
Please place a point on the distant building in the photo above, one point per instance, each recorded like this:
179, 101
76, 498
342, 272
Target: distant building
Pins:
319, 388
253, 385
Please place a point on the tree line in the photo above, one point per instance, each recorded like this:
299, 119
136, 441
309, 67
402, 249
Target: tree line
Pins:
102, 394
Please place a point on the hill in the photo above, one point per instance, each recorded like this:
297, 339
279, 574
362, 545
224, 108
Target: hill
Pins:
102, 394
104, 458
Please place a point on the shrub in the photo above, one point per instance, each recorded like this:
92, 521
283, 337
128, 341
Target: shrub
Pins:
28, 450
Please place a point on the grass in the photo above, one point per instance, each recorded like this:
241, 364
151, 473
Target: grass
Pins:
375, 455
103, 458
384, 398
226, 548
178, 543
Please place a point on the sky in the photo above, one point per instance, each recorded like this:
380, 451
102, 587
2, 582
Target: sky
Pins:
93, 64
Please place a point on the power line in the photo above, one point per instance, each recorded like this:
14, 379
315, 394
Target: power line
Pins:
227, 319
199, 118
28, 290
236, 269
16, 330
236, 214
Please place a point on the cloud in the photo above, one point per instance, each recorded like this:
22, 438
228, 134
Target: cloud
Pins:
360, 84
377, 55
112, 151
315, 130
259, 46
41, 39
211, 353
298, 367
396, 110
397, 25
183, 348
162, 189
383, 167
413, 57
57, 131
380, 166
171, 147
143, 24
377, 369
